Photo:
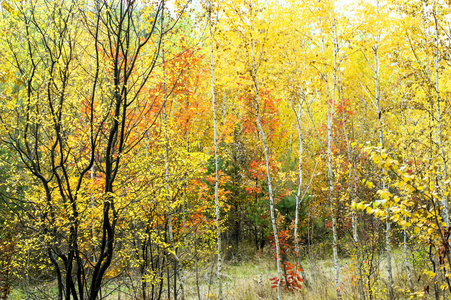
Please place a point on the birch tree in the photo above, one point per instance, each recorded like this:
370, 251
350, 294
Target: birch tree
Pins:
244, 17
333, 205
215, 141
438, 117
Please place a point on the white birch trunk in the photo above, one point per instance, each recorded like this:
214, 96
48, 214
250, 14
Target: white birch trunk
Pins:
268, 173
299, 197
333, 206
445, 208
298, 194
271, 201
215, 138
406, 261
390, 292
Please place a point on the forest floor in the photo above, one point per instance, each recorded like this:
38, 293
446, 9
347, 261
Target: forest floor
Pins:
248, 278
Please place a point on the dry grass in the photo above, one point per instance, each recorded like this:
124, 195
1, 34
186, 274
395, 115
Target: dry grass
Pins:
247, 278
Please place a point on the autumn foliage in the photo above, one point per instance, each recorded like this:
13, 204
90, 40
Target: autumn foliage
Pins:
332, 148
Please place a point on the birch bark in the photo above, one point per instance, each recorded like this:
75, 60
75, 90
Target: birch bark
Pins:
390, 291
268, 172
406, 261
215, 138
333, 206
299, 197
445, 207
